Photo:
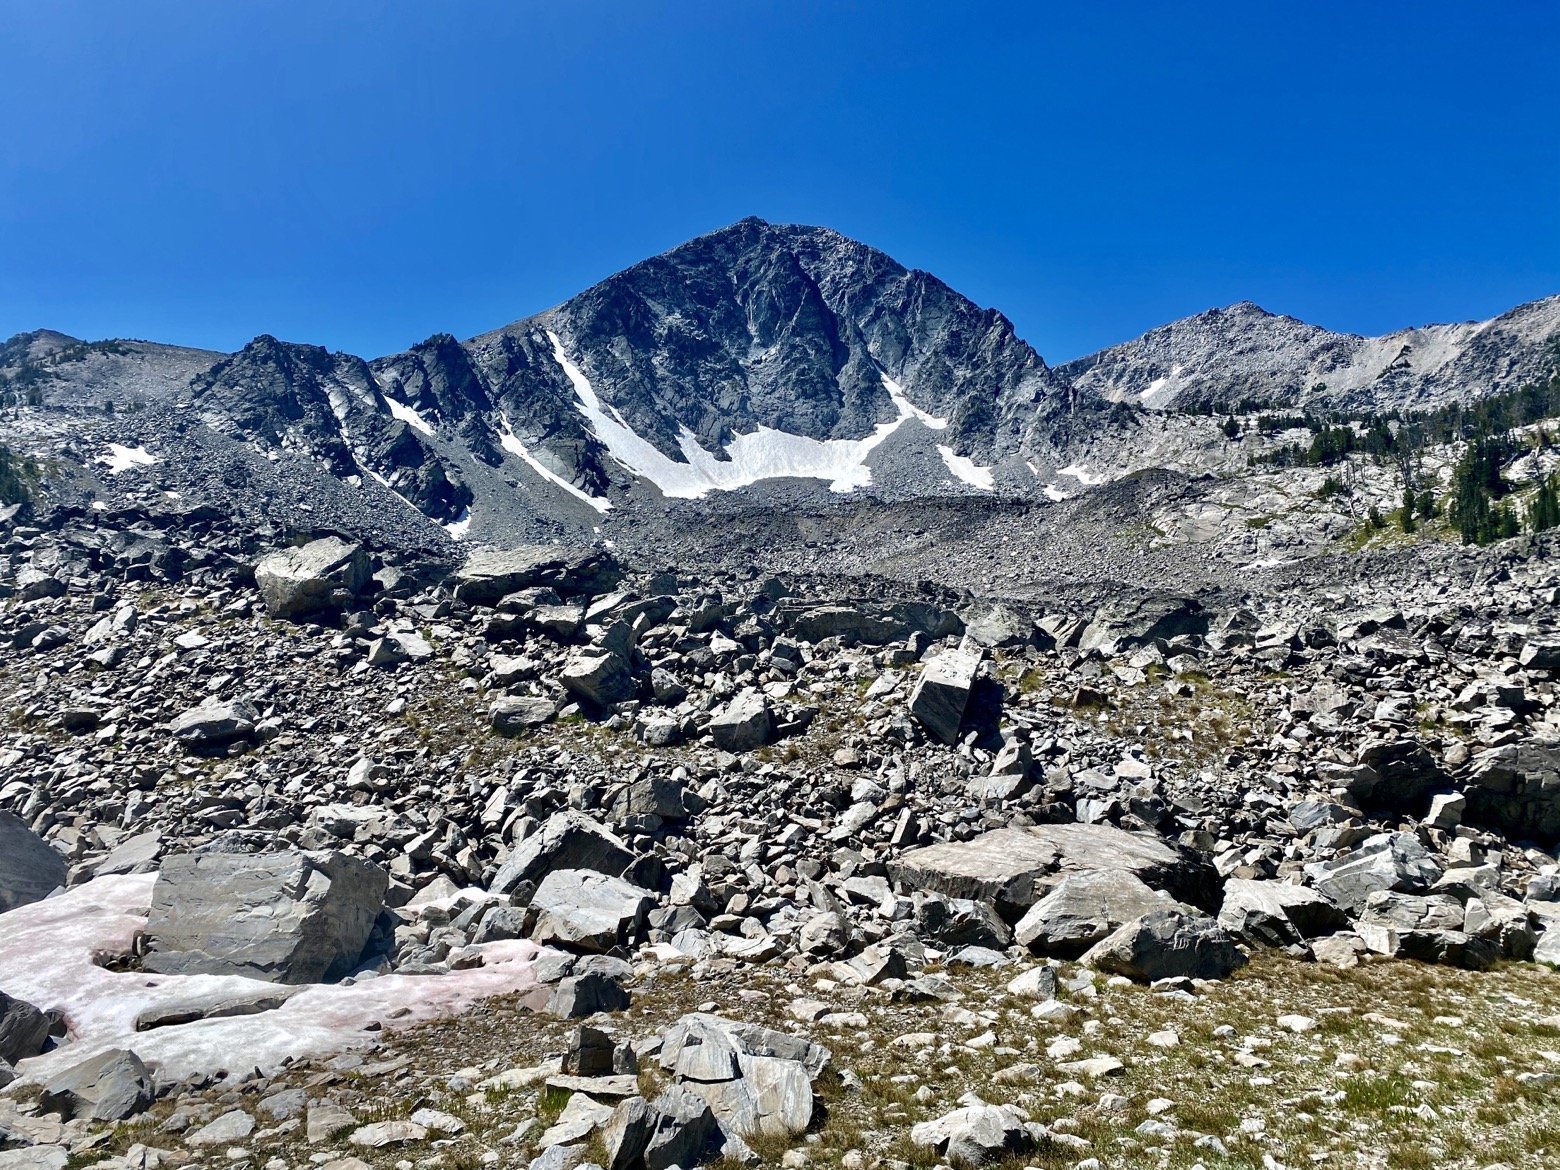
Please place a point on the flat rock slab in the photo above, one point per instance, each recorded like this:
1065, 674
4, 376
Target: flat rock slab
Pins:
1015, 868
291, 917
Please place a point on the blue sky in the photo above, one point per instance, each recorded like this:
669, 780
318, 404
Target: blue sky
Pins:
361, 175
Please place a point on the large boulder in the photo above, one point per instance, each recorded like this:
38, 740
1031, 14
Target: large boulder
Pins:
490, 574
871, 623
1085, 908
291, 917
1395, 773
676, 1129
588, 911
110, 1086
1387, 861
743, 724
1277, 914
29, 869
977, 1135
214, 725
1167, 944
757, 1082
1516, 788
566, 840
1014, 868
1138, 620
1429, 928
943, 690
325, 574
600, 678
23, 1029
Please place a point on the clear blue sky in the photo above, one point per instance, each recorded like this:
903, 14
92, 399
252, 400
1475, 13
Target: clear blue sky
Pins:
362, 175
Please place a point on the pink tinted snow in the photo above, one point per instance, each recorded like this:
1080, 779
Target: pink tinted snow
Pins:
50, 953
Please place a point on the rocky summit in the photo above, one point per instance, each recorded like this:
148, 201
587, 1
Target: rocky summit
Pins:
759, 712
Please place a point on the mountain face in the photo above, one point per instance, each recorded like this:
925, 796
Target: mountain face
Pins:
760, 365
305, 399
758, 351
1245, 354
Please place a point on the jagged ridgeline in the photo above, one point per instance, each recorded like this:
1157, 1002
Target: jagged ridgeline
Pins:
761, 365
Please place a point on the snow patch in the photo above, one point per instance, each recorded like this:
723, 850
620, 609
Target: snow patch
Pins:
119, 458
1163, 388
52, 955
966, 470
510, 442
1055, 494
1080, 472
764, 453
458, 528
908, 409
408, 415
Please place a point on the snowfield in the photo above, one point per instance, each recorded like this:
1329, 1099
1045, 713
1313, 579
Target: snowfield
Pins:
764, 453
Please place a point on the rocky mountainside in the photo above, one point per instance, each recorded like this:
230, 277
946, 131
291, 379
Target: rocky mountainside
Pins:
1244, 354
757, 713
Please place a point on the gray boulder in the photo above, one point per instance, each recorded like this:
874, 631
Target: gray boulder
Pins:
676, 1129
515, 714
291, 917
1014, 868
321, 575
23, 1029
567, 840
943, 691
1277, 914
1167, 944
1387, 861
978, 1135
584, 910
599, 678
111, 1086
1429, 928
743, 724
215, 724
1516, 787
489, 575
399, 646
29, 869
1085, 908
577, 997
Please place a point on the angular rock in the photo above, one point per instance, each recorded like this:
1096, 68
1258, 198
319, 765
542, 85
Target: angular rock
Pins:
584, 910
110, 1086
1086, 907
323, 574
1015, 868
489, 575
943, 691
215, 724
1387, 861
516, 714
1277, 914
24, 1029
567, 840
978, 1135
1167, 944
290, 917
602, 679
578, 996
743, 724
29, 869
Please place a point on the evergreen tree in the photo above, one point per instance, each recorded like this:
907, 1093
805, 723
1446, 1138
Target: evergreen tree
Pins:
1545, 510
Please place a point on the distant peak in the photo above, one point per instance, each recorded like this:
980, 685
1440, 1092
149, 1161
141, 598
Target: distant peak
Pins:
1246, 309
